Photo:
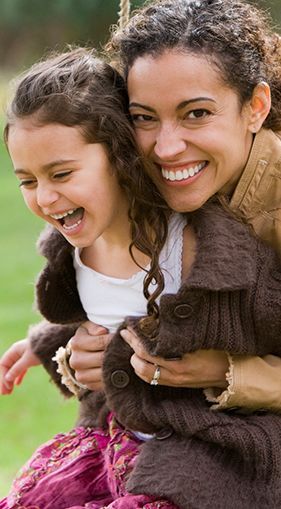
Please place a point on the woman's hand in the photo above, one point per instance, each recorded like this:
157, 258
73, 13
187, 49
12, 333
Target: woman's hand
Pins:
14, 363
87, 351
200, 369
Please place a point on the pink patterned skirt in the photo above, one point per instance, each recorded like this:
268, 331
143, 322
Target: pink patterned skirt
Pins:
85, 468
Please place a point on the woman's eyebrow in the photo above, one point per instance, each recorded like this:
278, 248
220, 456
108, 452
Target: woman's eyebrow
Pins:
143, 106
183, 104
180, 106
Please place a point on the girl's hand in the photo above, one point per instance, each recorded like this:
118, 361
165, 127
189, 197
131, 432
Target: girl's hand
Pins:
14, 364
87, 351
200, 369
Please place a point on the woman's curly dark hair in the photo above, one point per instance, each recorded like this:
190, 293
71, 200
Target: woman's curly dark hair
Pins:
235, 35
78, 89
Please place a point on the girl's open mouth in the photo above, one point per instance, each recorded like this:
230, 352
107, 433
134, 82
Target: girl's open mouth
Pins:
70, 219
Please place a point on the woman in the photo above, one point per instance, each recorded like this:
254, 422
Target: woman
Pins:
193, 125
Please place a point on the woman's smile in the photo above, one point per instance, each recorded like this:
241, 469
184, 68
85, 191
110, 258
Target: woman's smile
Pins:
191, 125
182, 173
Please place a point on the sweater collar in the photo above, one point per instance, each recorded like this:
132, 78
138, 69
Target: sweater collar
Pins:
226, 257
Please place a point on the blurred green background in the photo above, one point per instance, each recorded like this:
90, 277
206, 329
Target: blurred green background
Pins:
29, 28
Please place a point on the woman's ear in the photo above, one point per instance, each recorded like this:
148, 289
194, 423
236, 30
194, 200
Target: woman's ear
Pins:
259, 106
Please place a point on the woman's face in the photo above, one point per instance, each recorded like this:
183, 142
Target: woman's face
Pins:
191, 125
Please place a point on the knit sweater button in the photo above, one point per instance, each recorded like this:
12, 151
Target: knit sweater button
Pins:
164, 433
183, 310
120, 378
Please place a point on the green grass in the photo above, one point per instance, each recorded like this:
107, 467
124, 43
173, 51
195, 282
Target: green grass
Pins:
36, 410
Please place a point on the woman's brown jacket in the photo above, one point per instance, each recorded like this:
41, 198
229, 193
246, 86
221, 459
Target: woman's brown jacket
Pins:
255, 381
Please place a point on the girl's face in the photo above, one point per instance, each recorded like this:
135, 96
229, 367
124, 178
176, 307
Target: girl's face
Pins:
191, 125
67, 182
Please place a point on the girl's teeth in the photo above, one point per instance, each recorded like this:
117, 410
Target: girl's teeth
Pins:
61, 216
182, 174
72, 226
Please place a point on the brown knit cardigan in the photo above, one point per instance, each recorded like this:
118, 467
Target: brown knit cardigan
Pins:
231, 300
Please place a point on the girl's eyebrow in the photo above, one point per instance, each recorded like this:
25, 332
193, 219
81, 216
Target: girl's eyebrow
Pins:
59, 162
48, 166
180, 106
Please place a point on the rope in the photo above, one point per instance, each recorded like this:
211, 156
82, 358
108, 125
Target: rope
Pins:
124, 12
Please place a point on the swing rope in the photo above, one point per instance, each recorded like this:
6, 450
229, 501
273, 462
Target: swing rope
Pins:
124, 12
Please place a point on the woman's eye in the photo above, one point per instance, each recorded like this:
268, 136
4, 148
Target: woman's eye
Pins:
141, 117
200, 113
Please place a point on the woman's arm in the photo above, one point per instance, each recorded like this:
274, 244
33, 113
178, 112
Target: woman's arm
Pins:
200, 369
87, 351
254, 383
249, 382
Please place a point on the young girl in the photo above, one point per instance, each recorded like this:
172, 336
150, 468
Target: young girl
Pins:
73, 152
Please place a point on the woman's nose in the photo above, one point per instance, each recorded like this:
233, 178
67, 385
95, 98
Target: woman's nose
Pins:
169, 143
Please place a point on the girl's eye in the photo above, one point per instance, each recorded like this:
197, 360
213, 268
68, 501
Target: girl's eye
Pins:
200, 113
26, 183
62, 174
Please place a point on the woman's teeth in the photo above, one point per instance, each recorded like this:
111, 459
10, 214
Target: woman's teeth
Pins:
184, 174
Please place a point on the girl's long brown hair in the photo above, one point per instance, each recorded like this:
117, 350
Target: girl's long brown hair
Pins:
78, 89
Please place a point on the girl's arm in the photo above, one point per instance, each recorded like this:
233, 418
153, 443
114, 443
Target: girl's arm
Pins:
45, 338
14, 364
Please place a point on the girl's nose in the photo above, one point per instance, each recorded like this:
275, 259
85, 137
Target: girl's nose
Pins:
46, 195
169, 143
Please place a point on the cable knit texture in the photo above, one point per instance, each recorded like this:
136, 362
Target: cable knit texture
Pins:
231, 300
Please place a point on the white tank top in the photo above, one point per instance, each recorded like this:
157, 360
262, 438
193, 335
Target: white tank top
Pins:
107, 300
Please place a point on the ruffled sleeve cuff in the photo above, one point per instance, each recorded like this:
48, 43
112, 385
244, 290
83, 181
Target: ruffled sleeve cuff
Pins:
254, 383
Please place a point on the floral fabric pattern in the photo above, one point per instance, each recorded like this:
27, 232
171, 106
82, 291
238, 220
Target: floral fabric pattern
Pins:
85, 468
